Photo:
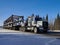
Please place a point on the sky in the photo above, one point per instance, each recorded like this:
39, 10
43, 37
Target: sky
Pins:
29, 7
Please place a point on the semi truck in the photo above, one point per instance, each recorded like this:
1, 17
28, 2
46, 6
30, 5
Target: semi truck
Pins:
32, 23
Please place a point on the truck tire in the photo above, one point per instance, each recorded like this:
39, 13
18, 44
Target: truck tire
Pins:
35, 30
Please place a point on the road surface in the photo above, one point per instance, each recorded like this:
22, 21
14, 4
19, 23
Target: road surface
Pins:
11, 37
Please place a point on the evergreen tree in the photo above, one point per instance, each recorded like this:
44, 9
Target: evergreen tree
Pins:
58, 16
57, 23
32, 15
47, 17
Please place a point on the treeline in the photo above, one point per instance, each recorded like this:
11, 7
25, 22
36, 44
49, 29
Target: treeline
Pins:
56, 24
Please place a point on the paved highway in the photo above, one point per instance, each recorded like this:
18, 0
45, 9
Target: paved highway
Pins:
11, 37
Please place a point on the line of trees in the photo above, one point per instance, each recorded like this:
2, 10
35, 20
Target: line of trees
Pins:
56, 24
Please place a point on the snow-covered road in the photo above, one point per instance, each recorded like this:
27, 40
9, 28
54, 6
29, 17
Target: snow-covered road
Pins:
11, 37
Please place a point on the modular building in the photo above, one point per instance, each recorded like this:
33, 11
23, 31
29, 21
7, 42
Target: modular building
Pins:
13, 22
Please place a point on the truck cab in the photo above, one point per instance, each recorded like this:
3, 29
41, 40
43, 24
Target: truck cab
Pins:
36, 24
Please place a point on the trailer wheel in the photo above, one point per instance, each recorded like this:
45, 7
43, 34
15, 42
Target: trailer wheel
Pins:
35, 30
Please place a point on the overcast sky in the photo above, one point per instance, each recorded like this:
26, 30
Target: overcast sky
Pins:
27, 7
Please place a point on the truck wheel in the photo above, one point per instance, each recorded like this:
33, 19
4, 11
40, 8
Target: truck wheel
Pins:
35, 30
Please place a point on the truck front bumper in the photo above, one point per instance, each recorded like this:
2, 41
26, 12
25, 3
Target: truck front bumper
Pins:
42, 30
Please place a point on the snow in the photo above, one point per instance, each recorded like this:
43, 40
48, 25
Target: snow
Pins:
12, 37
